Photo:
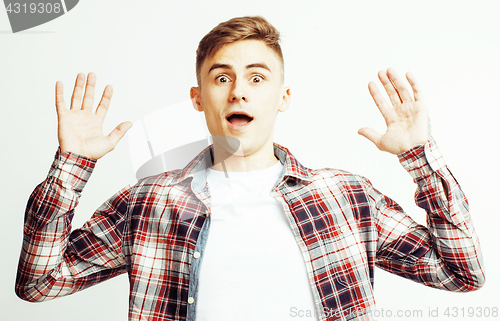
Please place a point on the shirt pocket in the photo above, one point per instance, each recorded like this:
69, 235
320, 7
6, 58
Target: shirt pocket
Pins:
349, 255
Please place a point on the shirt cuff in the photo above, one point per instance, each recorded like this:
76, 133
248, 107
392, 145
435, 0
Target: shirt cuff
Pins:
422, 160
72, 169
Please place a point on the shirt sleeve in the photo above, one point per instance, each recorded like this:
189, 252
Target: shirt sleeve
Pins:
444, 254
55, 261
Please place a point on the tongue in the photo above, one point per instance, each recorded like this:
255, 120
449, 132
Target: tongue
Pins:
239, 121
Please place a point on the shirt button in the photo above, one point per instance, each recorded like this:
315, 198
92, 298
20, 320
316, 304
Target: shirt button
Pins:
190, 300
344, 229
207, 213
196, 255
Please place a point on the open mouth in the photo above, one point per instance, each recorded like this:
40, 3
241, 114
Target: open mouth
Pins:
239, 119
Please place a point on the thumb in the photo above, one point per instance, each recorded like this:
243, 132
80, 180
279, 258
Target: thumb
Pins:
119, 132
371, 135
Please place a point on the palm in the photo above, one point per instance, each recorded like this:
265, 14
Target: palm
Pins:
80, 129
406, 120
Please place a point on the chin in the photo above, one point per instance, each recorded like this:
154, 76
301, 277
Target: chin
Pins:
231, 145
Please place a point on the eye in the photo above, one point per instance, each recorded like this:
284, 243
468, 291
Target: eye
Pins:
257, 79
222, 79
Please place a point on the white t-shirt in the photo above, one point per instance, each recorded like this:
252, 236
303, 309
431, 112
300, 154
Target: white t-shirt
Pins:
252, 268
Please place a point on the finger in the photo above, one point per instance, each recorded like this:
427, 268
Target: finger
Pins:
371, 135
399, 85
415, 86
88, 97
76, 99
103, 106
379, 100
119, 132
60, 104
389, 88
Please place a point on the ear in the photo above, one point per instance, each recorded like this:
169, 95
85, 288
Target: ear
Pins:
196, 98
285, 99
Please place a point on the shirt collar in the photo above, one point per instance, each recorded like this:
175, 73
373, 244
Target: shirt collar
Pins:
196, 168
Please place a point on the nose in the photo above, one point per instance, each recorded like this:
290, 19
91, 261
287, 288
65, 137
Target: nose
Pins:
238, 92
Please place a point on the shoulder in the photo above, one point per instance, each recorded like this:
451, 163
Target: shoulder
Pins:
345, 194
157, 184
293, 168
338, 177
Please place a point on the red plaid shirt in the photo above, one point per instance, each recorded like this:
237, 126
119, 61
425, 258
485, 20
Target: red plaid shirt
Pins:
156, 231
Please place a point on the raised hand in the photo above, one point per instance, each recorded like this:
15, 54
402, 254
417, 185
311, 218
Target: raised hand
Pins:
406, 120
79, 128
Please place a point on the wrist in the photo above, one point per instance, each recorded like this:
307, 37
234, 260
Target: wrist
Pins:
71, 168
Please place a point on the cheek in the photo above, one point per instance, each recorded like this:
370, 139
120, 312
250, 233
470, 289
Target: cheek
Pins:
212, 120
209, 105
271, 100
214, 100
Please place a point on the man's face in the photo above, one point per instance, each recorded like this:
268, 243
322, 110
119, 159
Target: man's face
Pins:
241, 92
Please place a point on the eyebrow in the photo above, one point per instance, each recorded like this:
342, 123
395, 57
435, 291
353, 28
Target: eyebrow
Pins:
250, 66
258, 65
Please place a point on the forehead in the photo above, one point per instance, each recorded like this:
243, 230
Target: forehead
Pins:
242, 53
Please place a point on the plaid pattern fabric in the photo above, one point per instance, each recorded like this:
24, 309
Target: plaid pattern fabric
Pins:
342, 224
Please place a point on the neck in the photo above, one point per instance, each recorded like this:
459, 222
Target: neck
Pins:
239, 162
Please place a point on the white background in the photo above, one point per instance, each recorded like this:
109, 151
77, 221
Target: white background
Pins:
332, 49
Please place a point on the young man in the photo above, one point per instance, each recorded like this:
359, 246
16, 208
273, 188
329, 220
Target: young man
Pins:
273, 235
